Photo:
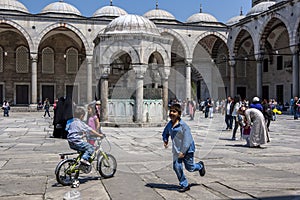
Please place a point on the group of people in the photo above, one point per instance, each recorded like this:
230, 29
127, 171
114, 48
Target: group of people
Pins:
253, 120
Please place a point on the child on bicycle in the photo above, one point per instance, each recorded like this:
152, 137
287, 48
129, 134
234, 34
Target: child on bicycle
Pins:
76, 131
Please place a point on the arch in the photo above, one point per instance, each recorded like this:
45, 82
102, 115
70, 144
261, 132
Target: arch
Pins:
236, 40
265, 27
51, 27
181, 40
295, 39
155, 47
24, 32
117, 47
203, 35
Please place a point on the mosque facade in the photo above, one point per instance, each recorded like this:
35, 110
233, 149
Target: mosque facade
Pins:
137, 64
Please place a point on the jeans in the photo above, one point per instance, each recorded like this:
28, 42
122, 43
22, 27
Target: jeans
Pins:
228, 121
85, 147
189, 164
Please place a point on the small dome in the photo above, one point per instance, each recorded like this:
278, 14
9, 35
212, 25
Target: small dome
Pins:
13, 5
109, 11
61, 8
131, 24
234, 20
159, 14
201, 17
261, 7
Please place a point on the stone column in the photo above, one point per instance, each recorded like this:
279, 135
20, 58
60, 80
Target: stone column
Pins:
104, 71
34, 79
232, 77
295, 68
164, 73
188, 80
89, 95
140, 71
259, 72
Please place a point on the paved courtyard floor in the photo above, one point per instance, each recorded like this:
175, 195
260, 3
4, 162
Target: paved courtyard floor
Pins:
28, 157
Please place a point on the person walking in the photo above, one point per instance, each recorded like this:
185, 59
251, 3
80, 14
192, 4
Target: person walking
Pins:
183, 147
228, 113
5, 108
296, 107
46, 107
267, 112
236, 106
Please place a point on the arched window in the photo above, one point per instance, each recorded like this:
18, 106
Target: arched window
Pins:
1, 59
48, 61
22, 60
72, 61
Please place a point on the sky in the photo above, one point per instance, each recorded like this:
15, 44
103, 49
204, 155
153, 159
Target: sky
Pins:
222, 10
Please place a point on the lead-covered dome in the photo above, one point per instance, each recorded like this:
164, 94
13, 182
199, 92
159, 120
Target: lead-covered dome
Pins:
109, 11
201, 17
61, 8
12, 5
261, 7
131, 24
159, 14
235, 19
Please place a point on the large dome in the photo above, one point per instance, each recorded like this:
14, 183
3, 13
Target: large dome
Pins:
234, 20
61, 8
109, 11
159, 14
12, 5
201, 17
131, 24
261, 7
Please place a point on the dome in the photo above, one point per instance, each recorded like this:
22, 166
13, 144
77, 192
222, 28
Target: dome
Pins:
234, 20
261, 7
131, 24
61, 7
109, 11
159, 14
201, 17
13, 5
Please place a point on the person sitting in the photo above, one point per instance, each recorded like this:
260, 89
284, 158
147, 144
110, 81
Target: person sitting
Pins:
76, 131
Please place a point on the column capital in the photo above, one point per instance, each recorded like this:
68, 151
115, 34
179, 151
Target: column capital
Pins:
34, 56
164, 72
102, 70
140, 70
188, 61
295, 48
259, 56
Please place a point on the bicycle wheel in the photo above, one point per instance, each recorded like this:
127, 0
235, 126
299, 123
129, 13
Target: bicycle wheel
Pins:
65, 175
107, 167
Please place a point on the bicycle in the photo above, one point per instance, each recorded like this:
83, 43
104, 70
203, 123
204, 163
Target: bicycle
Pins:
67, 171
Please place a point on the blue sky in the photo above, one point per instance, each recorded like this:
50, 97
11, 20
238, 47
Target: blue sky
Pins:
223, 10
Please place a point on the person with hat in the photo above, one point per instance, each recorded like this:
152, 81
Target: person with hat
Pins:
183, 147
256, 104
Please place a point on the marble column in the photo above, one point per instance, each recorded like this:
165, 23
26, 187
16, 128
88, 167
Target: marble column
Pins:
140, 71
295, 72
89, 78
232, 77
259, 72
105, 71
188, 80
34, 79
164, 73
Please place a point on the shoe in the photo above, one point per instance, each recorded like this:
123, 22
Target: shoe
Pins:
202, 170
85, 162
183, 189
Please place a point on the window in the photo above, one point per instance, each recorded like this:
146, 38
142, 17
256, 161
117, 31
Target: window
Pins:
266, 65
72, 60
279, 62
48, 61
22, 60
279, 93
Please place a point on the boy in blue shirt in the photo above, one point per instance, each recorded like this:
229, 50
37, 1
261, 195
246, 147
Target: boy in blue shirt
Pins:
183, 147
76, 131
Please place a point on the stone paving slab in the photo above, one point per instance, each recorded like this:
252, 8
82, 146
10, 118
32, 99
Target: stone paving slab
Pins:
28, 157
